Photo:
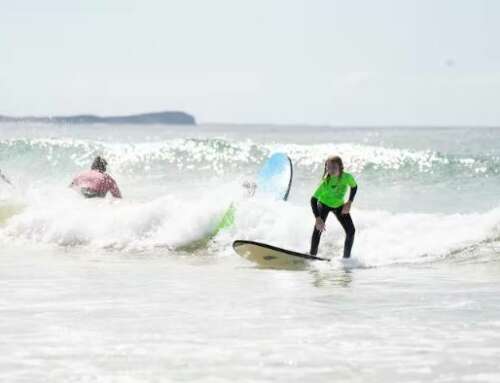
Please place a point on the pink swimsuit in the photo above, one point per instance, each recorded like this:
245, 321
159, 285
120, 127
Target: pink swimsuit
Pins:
93, 183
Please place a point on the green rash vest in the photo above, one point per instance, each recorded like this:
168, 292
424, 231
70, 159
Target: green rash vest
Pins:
332, 190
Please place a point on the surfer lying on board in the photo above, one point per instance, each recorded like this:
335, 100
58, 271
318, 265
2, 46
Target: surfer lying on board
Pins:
96, 182
330, 197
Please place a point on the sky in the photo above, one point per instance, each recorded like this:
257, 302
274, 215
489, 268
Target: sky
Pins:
317, 62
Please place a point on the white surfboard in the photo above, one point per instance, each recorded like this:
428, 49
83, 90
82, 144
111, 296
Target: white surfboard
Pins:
275, 178
270, 256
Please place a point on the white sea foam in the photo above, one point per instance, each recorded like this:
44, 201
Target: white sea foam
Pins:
174, 221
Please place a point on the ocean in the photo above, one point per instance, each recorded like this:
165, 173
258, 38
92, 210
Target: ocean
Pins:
137, 290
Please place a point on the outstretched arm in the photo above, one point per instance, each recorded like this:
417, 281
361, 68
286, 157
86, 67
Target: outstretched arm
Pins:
113, 188
115, 191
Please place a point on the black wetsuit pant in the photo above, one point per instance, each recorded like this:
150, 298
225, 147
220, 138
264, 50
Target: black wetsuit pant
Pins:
346, 222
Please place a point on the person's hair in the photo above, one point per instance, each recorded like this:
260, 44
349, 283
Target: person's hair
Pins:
338, 161
99, 164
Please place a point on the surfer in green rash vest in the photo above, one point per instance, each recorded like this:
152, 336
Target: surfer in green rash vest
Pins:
330, 197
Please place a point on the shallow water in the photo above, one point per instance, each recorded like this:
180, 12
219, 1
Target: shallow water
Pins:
72, 316
100, 291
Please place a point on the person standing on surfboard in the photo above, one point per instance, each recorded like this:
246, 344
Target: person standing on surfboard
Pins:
330, 197
96, 182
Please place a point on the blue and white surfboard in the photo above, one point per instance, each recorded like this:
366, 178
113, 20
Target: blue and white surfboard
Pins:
275, 177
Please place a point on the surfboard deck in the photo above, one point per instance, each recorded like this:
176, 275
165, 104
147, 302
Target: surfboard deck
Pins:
9, 210
271, 256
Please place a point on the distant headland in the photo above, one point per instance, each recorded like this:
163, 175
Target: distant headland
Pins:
171, 118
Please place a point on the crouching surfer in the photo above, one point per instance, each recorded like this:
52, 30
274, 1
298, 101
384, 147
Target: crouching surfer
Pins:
330, 197
96, 182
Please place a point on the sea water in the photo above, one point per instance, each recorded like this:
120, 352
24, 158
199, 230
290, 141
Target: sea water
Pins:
137, 290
